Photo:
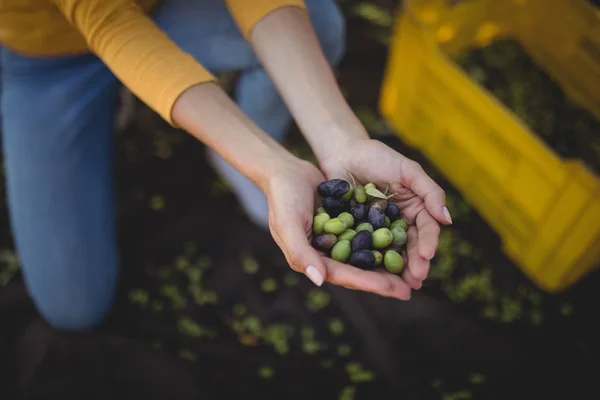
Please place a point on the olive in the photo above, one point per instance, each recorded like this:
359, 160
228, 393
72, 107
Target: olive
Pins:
394, 247
319, 222
393, 262
380, 203
320, 210
335, 226
362, 240
352, 202
378, 257
365, 226
324, 241
364, 259
348, 195
382, 238
376, 218
360, 195
333, 206
348, 234
393, 212
341, 251
401, 223
359, 212
347, 218
387, 222
399, 235
333, 188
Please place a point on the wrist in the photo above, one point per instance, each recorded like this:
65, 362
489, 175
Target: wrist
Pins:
336, 141
207, 113
279, 164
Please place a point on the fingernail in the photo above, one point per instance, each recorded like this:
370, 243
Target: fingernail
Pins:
447, 214
314, 275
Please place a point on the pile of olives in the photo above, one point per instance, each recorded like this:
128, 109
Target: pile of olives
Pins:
358, 225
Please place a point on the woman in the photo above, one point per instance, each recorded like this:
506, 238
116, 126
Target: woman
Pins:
62, 62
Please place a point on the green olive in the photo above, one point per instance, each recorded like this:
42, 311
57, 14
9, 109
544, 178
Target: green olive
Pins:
348, 234
378, 257
370, 186
393, 262
359, 194
365, 226
399, 222
341, 251
348, 195
319, 222
387, 222
399, 235
382, 237
335, 226
321, 210
347, 218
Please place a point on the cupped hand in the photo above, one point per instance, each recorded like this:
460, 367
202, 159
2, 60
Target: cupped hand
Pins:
292, 198
291, 193
422, 203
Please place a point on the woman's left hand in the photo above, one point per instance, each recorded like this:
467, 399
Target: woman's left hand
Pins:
422, 201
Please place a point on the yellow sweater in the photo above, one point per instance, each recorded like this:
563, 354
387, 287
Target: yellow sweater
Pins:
120, 33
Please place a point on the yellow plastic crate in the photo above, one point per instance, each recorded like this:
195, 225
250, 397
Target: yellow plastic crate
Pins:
545, 209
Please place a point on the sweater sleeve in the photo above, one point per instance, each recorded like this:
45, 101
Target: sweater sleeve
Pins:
248, 13
137, 51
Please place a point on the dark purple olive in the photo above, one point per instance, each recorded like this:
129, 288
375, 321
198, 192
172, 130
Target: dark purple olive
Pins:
333, 188
347, 206
394, 247
380, 203
393, 212
362, 240
324, 241
333, 206
363, 259
376, 217
359, 212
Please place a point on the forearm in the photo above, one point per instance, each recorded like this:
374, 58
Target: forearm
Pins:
290, 51
206, 112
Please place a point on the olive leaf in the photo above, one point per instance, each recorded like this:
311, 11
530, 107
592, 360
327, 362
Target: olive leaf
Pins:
377, 193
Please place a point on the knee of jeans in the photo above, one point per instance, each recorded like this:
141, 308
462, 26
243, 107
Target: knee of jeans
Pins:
331, 30
80, 312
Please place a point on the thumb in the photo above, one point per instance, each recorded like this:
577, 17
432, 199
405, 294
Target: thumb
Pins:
302, 257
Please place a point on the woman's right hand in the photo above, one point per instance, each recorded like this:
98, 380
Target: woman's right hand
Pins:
291, 192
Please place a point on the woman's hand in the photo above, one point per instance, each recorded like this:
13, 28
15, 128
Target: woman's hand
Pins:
289, 49
290, 184
422, 202
292, 202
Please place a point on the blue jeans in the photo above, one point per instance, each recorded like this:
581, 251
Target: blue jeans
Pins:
58, 140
